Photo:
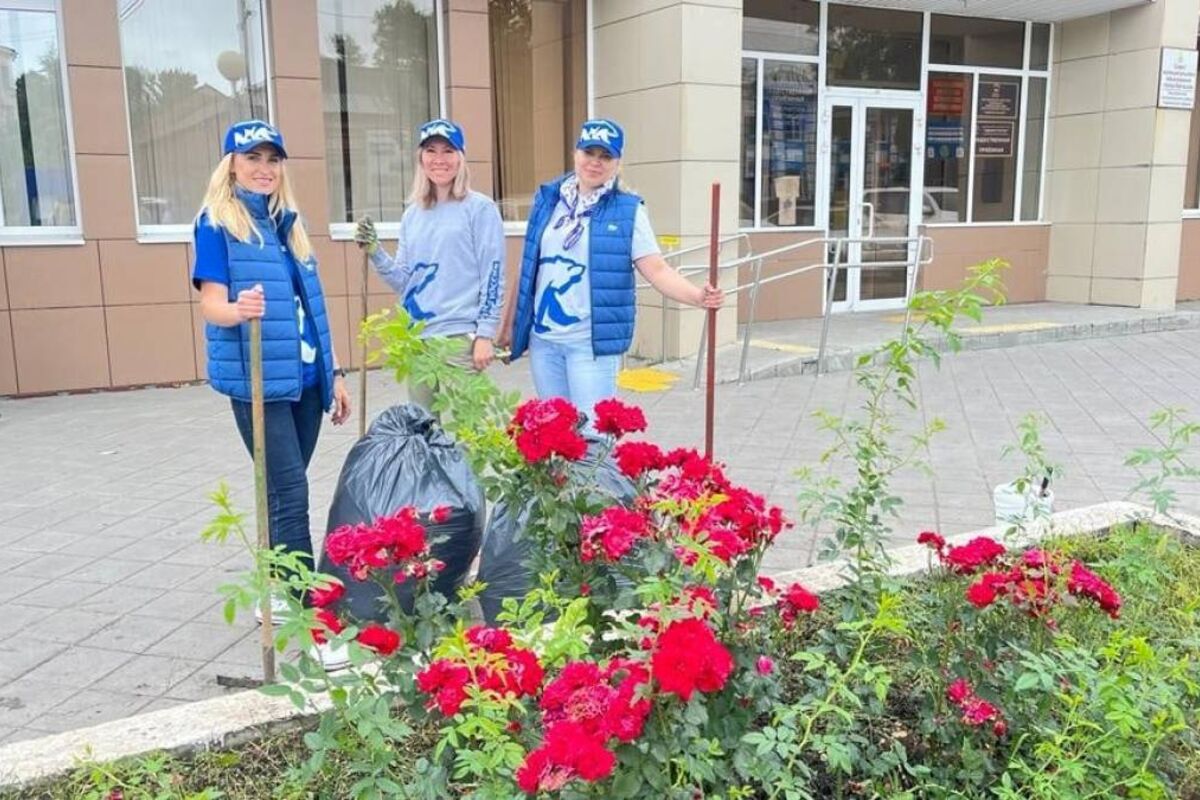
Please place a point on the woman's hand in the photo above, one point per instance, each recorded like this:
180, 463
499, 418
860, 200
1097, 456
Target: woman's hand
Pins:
710, 297
366, 236
482, 353
341, 401
250, 303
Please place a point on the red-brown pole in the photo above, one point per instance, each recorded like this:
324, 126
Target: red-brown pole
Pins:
711, 378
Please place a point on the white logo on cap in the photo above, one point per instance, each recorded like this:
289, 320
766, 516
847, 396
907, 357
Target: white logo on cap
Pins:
603, 133
438, 129
260, 134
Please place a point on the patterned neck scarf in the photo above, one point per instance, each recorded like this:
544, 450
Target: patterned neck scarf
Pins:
579, 208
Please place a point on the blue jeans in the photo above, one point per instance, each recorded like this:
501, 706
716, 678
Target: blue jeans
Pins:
291, 437
570, 370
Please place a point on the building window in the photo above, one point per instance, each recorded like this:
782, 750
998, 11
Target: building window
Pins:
947, 146
539, 88
379, 83
779, 125
37, 184
986, 119
782, 26
1191, 200
191, 70
876, 48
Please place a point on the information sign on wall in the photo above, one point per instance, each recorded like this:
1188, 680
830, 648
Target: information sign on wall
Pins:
1177, 78
996, 112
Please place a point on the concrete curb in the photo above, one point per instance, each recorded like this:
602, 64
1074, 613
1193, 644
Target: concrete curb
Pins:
227, 721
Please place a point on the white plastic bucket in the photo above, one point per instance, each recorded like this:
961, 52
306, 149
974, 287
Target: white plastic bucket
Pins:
1018, 508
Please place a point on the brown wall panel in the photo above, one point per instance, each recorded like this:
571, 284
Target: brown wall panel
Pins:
307, 176
294, 39
339, 327
472, 109
60, 349
1189, 261
789, 298
53, 277
1025, 247
151, 344
468, 5
8, 363
135, 274
468, 62
92, 36
199, 342
331, 263
106, 196
98, 110
3, 282
298, 104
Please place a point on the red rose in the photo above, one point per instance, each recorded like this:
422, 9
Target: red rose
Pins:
327, 595
959, 691
567, 753
494, 640
764, 665
984, 591
796, 600
688, 657
440, 514
614, 418
931, 540
969, 558
380, 639
446, 684
1085, 583
327, 622
612, 533
635, 459
543, 428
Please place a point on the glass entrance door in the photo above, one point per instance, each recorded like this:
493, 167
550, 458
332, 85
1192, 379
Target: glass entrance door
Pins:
873, 195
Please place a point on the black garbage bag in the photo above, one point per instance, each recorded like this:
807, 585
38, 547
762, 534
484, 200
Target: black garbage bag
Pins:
504, 560
406, 459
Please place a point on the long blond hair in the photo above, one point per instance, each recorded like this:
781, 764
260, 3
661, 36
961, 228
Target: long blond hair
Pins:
424, 191
226, 211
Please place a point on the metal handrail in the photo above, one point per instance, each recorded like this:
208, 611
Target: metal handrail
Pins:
684, 270
923, 255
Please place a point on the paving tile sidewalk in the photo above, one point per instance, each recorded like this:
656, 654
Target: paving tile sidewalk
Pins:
110, 600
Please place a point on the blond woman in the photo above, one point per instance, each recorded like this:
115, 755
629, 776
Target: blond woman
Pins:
254, 261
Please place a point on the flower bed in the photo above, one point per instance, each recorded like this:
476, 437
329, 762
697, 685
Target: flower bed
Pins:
647, 665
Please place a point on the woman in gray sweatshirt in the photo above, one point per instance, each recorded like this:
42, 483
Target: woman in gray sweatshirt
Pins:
449, 264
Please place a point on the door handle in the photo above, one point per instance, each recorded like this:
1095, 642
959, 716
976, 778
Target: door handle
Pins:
870, 207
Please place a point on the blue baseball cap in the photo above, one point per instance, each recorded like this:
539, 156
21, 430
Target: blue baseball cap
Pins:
602, 133
242, 137
442, 129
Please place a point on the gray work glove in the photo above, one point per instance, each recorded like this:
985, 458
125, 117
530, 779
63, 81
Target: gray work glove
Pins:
366, 236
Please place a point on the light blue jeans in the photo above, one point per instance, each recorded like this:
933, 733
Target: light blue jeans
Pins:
570, 370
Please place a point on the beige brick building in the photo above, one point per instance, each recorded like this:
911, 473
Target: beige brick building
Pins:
1058, 134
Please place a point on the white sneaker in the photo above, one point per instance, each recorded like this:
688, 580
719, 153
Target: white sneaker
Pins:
280, 611
333, 657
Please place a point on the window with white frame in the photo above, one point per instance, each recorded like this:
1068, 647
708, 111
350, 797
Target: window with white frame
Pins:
37, 182
780, 76
379, 83
986, 86
191, 70
986, 94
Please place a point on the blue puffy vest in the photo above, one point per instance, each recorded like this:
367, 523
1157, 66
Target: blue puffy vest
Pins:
229, 348
610, 269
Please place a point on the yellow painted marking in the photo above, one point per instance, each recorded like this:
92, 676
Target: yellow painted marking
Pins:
668, 241
1011, 327
900, 318
646, 379
782, 346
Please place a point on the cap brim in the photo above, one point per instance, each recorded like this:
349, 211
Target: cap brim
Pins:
437, 137
608, 148
246, 148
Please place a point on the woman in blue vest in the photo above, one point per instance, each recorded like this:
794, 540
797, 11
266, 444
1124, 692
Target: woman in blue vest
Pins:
254, 261
575, 301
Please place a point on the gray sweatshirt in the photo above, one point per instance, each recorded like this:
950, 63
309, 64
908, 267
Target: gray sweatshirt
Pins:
449, 266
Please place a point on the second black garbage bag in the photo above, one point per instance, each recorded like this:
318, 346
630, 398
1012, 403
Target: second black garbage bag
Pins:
504, 561
406, 459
